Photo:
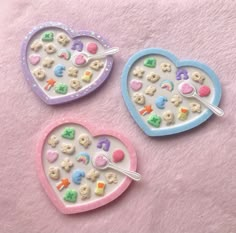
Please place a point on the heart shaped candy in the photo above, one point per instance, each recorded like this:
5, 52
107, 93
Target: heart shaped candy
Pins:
52, 45
80, 60
71, 182
136, 85
51, 156
34, 59
157, 106
186, 88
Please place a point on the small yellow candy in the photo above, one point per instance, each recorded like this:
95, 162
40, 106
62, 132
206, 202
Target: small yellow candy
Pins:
100, 187
87, 76
183, 114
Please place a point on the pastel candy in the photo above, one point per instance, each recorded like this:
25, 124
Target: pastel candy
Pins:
77, 45
80, 60
61, 88
150, 62
118, 155
87, 76
167, 84
154, 120
68, 133
71, 195
92, 48
48, 36
51, 156
104, 144
136, 85
160, 102
58, 70
77, 176
100, 188
204, 91
181, 74
186, 88
34, 59
64, 53
83, 157
100, 161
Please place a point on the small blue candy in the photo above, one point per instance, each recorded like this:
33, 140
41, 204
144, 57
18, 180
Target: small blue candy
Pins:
58, 70
160, 102
77, 176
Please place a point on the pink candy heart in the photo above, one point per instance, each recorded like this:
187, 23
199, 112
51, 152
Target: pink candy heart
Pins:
34, 59
80, 60
117, 156
51, 156
92, 48
186, 88
136, 85
101, 161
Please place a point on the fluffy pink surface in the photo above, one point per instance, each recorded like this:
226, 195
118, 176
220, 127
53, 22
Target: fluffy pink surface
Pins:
188, 180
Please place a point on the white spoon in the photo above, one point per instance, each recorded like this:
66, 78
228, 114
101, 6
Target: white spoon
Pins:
101, 162
82, 58
186, 89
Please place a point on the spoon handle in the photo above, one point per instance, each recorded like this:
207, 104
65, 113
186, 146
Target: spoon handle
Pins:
105, 53
218, 111
133, 175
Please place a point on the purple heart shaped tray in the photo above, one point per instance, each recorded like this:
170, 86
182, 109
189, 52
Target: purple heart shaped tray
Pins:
61, 64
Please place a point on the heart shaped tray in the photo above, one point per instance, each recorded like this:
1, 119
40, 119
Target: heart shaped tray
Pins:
150, 83
64, 165
49, 62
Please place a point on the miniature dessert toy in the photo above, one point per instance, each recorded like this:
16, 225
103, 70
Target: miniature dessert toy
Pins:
82, 167
165, 95
62, 65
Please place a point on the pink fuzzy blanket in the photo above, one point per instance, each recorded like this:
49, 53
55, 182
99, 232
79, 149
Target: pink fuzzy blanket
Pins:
188, 184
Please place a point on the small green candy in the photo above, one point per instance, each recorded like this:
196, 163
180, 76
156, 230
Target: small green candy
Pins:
150, 62
70, 195
68, 133
154, 120
48, 36
61, 88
